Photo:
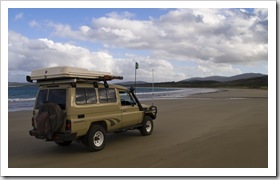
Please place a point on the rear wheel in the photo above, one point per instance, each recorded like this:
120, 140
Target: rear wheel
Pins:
147, 127
96, 138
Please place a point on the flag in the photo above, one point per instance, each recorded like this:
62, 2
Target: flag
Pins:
136, 65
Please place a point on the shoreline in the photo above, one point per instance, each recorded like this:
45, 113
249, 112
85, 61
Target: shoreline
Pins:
235, 93
19, 104
220, 93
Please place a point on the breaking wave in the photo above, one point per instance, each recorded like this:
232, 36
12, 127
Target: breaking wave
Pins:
21, 99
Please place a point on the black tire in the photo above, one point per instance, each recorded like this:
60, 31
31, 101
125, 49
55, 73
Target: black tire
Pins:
96, 138
49, 120
65, 143
147, 126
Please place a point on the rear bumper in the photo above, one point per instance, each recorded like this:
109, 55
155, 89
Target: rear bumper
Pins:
62, 137
58, 137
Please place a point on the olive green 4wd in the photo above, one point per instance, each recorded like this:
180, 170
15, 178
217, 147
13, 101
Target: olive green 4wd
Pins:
77, 104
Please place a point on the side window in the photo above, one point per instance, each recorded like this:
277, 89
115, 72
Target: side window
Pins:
85, 96
107, 95
102, 95
111, 94
91, 96
80, 96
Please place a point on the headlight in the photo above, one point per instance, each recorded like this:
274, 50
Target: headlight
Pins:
154, 110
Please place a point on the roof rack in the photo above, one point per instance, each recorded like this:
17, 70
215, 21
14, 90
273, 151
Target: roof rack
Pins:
67, 74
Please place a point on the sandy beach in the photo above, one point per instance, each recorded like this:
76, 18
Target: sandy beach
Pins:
227, 129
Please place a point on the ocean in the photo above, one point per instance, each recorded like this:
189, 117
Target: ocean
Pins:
23, 97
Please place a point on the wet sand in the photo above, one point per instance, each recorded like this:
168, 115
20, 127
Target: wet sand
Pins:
228, 129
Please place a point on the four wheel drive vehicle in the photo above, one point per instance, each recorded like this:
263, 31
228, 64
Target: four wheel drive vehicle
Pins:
73, 104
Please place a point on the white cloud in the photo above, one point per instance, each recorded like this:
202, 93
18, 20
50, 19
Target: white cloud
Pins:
163, 70
19, 16
217, 35
33, 23
208, 68
65, 31
122, 15
26, 55
84, 29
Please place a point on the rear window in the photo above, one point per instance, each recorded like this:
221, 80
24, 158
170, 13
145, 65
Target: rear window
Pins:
42, 98
57, 96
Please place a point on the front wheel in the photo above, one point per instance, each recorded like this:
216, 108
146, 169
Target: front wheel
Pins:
147, 126
96, 138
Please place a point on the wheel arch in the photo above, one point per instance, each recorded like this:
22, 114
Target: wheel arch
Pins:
101, 123
149, 115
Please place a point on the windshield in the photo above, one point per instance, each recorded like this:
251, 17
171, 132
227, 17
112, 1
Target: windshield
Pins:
57, 96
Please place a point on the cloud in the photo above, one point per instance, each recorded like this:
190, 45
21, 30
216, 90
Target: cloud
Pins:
207, 68
19, 16
121, 15
216, 35
232, 36
211, 69
214, 41
30, 54
34, 23
27, 54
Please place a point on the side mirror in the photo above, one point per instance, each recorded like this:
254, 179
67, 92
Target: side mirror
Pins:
28, 79
133, 104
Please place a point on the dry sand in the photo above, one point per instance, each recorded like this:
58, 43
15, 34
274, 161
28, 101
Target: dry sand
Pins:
228, 129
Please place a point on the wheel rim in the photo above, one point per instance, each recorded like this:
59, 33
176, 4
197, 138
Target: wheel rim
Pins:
98, 139
148, 126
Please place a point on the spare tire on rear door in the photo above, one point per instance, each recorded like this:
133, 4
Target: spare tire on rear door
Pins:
49, 120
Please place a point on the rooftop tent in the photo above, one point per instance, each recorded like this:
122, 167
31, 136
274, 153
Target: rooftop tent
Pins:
67, 72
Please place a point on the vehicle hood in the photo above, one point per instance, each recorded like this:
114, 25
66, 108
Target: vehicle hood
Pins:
146, 106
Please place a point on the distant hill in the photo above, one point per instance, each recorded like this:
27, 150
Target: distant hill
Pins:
127, 83
253, 82
10, 84
224, 78
256, 82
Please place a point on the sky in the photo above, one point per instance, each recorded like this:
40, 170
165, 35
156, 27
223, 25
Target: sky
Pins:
176, 43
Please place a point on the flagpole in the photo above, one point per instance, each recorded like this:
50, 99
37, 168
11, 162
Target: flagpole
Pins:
136, 67
135, 78
153, 88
